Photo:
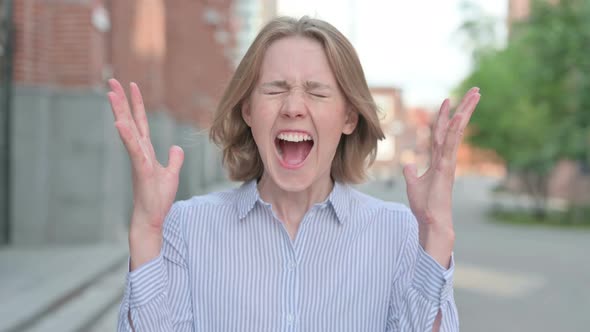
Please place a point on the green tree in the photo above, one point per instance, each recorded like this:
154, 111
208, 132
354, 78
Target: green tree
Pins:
535, 108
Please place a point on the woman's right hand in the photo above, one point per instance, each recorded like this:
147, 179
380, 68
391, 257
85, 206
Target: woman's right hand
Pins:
154, 186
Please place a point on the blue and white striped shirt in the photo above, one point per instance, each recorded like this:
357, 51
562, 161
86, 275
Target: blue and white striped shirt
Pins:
228, 264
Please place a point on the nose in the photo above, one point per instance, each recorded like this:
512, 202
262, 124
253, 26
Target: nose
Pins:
294, 105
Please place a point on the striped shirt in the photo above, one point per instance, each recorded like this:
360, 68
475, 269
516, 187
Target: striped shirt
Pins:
228, 264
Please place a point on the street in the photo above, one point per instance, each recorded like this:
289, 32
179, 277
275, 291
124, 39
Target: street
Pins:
513, 278
508, 278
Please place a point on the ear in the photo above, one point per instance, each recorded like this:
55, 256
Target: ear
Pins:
246, 113
352, 119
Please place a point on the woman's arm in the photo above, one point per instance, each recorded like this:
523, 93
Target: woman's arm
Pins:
422, 293
157, 295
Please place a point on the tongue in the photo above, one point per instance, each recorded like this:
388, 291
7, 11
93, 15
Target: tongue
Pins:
294, 153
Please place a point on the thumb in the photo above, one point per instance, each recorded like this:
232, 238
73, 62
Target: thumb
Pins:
410, 173
175, 158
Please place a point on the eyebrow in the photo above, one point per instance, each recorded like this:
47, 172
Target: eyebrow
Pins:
316, 85
276, 84
308, 85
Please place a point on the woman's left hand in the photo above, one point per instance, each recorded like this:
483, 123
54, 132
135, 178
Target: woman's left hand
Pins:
430, 195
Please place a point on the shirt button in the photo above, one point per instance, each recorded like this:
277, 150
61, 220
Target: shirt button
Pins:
290, 318
292, 265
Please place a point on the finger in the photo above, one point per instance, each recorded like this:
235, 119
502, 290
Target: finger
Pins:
466, 97
115, 108
175, 159
469, 109
139, 111
452, 141
442, 122
120, 105
136, 154
456, 130
410, 173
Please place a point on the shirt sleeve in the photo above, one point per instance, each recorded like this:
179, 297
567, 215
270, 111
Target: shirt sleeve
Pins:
157, 295
421, 288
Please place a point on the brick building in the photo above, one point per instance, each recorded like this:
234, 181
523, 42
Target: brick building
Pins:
519, 10
69, 174
415, 144
408, 139
391, 108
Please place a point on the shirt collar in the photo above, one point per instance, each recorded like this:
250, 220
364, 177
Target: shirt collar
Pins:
247, 196
339, 199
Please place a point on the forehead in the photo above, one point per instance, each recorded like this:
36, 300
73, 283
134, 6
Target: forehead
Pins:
296, 59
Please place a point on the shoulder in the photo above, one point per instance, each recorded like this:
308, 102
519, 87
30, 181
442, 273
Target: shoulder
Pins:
200, 206
366, 202
218, 198
386, 214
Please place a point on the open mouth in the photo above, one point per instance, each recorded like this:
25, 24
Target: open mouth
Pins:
293, 147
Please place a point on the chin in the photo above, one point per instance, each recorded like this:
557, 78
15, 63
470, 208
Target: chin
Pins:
295, 180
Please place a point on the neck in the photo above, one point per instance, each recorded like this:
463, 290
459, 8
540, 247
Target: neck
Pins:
291, 206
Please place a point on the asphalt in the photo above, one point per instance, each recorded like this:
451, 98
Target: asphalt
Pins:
509, 277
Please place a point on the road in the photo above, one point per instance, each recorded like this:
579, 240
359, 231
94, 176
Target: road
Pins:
508, 278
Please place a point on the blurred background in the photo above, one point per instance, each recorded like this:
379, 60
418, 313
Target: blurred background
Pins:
522, 193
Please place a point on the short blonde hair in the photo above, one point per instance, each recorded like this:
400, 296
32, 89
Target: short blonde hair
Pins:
229, 131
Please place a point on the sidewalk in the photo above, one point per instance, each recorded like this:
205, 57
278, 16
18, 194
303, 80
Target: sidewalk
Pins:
64, 288
56, 286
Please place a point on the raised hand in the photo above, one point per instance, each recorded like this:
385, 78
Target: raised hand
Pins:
430, 195
154, 186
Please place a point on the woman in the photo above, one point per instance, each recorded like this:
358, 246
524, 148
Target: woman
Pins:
295, 247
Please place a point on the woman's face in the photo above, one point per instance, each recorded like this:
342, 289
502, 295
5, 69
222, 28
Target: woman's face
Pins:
297, 113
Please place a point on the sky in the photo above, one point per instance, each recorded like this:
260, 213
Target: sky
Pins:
409, 44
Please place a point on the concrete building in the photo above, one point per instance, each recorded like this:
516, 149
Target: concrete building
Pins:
6, 30
68, 176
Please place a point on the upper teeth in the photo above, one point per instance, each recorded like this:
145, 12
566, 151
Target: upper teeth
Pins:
294, 137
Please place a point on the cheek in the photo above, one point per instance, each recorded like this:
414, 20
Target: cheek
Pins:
331, 124
258, 132
330, 136
261, 124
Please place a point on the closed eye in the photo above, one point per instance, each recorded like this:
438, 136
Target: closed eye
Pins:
318, 95
274, 93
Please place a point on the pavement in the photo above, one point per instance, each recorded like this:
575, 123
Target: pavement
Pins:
65, 288
508, 277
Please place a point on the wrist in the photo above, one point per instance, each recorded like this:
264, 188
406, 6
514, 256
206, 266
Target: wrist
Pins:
438, 244
144, 246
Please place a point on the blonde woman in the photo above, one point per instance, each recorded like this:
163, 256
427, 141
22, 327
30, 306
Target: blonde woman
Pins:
294, 248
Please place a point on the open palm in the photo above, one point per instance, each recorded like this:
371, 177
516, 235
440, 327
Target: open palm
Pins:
154, 186
430, 195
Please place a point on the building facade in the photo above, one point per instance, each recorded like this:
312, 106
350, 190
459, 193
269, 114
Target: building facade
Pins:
69, 174
249, 17
392, 120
